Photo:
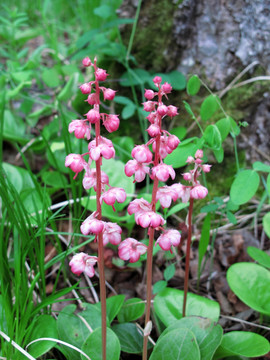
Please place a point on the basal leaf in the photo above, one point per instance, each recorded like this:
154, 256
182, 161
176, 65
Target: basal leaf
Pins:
244, 186
209, 106
193, 85
260, 256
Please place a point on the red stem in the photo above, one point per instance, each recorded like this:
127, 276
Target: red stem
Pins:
187, 255
149, 266
102, 284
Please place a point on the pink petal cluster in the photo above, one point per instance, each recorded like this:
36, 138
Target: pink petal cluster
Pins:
111, 233
76, 163
169, 238
92, 226
163, 172
90, 180
83, 263
133, 167
149, 218
112, 195
104, 148
131, 249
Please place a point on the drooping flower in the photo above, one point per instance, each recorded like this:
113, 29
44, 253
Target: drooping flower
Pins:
149, 218
80, 129
92, 226
112, 195
105, 148
111, 233
90, 180
142, 154
165, 195
169, 238
198, 192
162, 172
83, 263
76, 163
139, 169
131, 249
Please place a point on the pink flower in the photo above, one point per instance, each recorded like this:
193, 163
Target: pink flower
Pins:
83, 263
101, 75
157, 80
131, 249
198, 192
165, 195
149, 94
111, 123
112, 195
93, 116
172, 111
149, 106
162, 110
86, 62
166, 88
109, 94
90, 180
153, 130
91, 226
179, 188
105, 148
76, 163
149, 218
142, 154
163, 172
187, 176
92, 99
190, 160
199, 154
134, 167
173, 142
80, 129
152, 117
85, 88
206, 168
138, 205
169, 238
112, 233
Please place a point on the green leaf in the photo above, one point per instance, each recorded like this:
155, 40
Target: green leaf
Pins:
242, 343
259, 166
209, 106
179, 156
268, 184
131, 339
71, 329
178, 344
205, 236
122, 100
92, 315
177, 208
104, 11
179, 131
128, 111
169, 272
132, 310
244, 186
219, 155
51, 77
34, 201
251, 283
177, 80
208, 334
193, 85
69, 89
19, 177
209, 208
159, 286
232, 219
212, 137
224, 127
266, 224
113, 306
54, 179
260, 256
123, 146
168, 306
12, 122
93, 345
235, 129
45, 326
135, 77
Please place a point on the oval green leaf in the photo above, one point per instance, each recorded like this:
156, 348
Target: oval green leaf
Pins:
212, 137
260, 256
193, 85
113, 306
45, 326
168, 306
266, 224
178, 344
132, 310
251, 283
209, 107
208, 334
224, 126
131, 339
244, 186
242, 343
93, 345
259, 166
179, 156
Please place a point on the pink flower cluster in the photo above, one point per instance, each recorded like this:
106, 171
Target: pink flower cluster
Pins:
100, 147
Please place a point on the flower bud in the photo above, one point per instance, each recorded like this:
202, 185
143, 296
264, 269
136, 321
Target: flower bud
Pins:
111, 123
93, 116
162, 110
149, 94
86, 62
101, 75
85, 88
92, 99
172, 111
198, 192
166, 88
109, 94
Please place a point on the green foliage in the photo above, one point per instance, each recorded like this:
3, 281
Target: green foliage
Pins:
250, 282
244, 186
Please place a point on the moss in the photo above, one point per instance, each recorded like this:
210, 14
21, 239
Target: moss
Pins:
153, 34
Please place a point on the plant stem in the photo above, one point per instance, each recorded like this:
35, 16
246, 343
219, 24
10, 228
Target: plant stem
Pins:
102, 284
187, 255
